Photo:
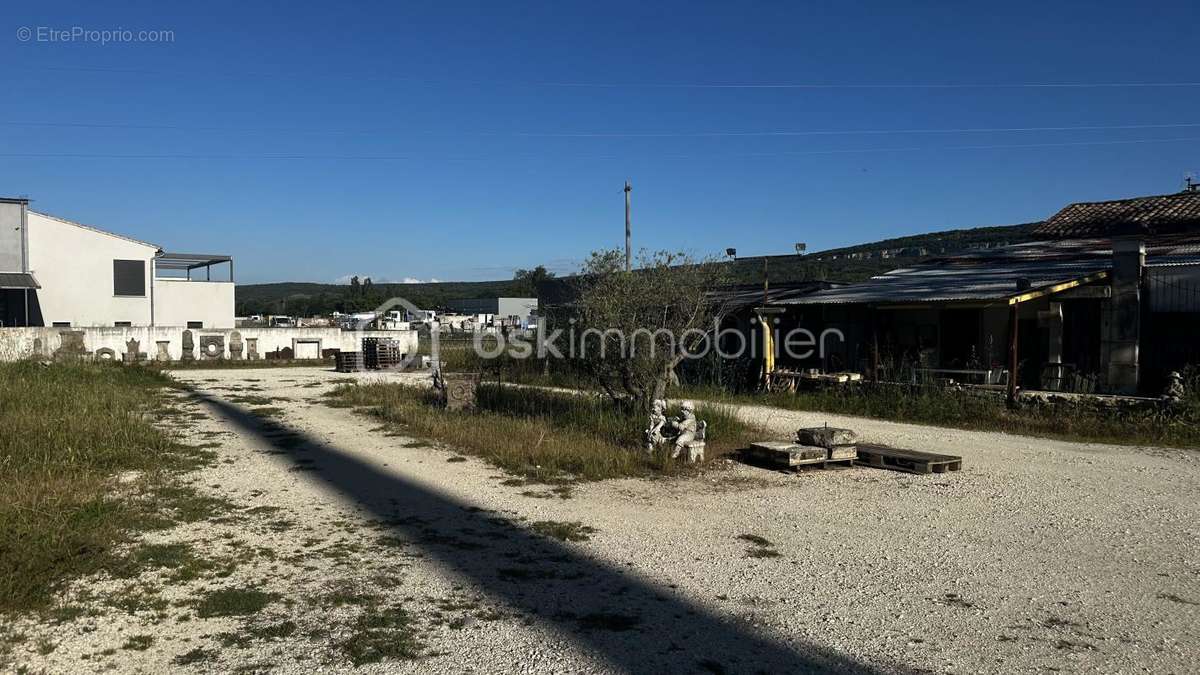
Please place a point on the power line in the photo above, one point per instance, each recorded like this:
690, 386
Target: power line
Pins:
782, 153
309, 75
603, 134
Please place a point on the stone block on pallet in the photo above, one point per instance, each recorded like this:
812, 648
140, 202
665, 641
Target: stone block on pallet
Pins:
826, 437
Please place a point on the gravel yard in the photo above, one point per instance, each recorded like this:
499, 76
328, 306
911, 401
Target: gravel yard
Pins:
1038, 555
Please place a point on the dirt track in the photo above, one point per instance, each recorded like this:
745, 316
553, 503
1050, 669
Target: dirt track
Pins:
1038, 555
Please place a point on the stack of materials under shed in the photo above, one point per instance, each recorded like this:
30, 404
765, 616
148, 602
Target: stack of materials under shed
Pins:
349, 362
380, 353
815, 445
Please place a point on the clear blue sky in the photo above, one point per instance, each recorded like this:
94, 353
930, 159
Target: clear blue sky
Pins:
459, 141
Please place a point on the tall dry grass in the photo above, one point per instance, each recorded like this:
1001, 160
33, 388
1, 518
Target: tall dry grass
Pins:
540, 435
65, 432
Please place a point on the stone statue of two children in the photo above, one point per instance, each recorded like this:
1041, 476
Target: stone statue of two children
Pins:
685, 431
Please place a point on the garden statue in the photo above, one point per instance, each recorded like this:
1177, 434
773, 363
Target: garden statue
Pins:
1175, 391
687, 428
658, 419
685, 432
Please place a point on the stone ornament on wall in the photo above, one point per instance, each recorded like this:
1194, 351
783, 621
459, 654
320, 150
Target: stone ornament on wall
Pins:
71, 346
105, 354
189, 347
235, 346
133, 353
212, 347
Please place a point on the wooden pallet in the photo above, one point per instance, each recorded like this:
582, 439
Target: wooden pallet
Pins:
912, 461
788, 455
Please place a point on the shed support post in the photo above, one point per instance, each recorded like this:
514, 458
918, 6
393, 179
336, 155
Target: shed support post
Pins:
1013, 356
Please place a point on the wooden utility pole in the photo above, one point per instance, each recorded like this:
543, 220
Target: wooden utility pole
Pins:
628, 231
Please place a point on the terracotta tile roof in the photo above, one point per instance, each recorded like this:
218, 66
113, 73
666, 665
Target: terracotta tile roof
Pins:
1160, 214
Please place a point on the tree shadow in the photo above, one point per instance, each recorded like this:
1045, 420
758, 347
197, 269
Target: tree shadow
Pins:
614, 614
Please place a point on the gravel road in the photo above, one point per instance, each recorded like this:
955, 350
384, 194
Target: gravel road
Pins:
1038, 555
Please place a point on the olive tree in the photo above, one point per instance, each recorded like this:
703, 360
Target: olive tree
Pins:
632, 329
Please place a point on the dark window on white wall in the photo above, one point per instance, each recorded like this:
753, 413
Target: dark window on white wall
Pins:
122, 324
195, 324
61, 324
129, 277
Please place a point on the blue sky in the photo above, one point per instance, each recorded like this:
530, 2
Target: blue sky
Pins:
459, 141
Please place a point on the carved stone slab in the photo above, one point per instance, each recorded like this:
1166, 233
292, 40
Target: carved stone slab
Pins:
164, 350
132, 353
235, 346
252, 349
72, 345
460, 390
212, 347
189, 347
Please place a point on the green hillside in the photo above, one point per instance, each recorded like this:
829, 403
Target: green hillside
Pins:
847, 264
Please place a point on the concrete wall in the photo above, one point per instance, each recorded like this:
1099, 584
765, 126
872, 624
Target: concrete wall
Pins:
11, 235
74, 266
167, 343
178, 301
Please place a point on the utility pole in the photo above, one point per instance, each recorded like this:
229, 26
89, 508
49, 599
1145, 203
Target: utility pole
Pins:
628, 231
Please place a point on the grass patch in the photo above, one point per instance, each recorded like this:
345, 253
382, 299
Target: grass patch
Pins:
68, 430
756, 540
197, 655
267, 412
987, 411
546, 436
563, 531
380, 634
139, 643
234, 602
763, 548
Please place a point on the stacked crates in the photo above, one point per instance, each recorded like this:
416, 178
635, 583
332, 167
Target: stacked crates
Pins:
381, 353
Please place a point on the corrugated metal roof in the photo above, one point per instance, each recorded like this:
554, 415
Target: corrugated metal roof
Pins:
18, 280
997, 274
751, 295
1148, 215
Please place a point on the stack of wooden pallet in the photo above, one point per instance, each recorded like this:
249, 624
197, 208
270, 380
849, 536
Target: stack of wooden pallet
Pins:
816, 445
349, 362
381, 353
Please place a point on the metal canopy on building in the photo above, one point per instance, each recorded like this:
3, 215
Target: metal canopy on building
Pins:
18, 280
190, 261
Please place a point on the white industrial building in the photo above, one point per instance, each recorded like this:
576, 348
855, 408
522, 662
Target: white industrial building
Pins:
58, 273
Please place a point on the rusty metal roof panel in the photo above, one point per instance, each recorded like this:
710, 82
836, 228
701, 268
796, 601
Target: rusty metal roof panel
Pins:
1157, 214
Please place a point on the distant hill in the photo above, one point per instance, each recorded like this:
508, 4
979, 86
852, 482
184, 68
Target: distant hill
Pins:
846, 264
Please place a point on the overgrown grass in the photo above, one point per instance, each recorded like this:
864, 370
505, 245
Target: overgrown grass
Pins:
988, 411
68, 430
935, 406
541, 435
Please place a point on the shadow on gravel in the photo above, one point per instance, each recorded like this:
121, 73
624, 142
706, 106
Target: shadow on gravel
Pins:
630, 623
